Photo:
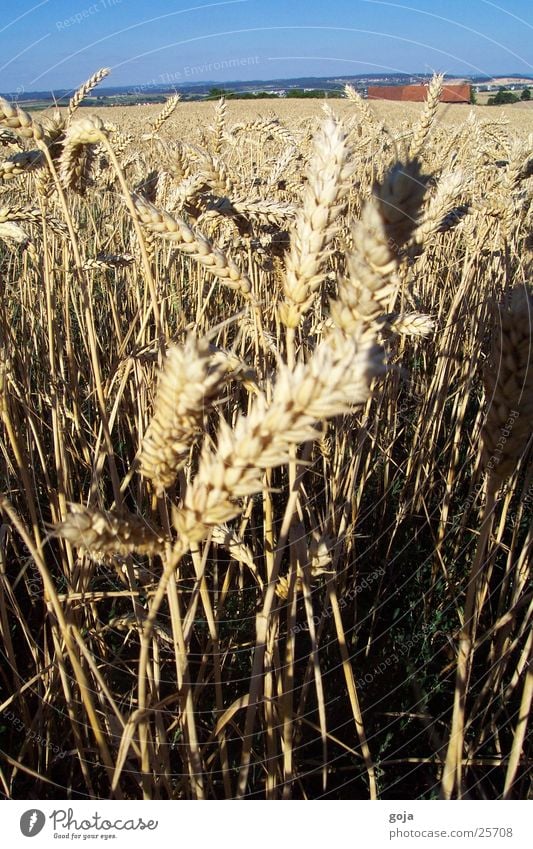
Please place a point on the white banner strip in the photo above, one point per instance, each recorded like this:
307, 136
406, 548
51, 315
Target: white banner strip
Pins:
226, 825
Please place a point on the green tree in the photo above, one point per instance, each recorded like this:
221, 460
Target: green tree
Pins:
216, 93
526, 94
502, 97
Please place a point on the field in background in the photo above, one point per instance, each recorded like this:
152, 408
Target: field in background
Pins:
191, 116
265, 400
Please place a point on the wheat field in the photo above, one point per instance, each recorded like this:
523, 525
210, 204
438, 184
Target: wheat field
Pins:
266, 393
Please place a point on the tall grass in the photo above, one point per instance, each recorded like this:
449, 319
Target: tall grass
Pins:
266, 475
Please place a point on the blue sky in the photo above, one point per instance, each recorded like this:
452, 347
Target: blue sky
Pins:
48, 44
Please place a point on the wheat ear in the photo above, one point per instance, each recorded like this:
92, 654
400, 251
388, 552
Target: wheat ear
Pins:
316, 223
336, 378
188, 380
85, 89
20, 163
21, 122
386, 224
102, 535
193, 243
219, 126
423, 127
165, 113
76, 159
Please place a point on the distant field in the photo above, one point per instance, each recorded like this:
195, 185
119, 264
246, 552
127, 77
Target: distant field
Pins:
194, 116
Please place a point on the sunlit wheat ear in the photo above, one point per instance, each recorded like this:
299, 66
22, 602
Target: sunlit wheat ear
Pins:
216, 175
9, 231
165, 113
316, 223
369, 118
177, 162
520, 165
54, 127
76, 159
442, 212
193, 243
13, 214
387, 221
104, 261
219, 126
371, 281
400, 197
21, 122
187, 382
264, 211
336, 379
19, 213
100, 534
413, 324
423, 127
235, 369
85, 89
229, 540
508, 382
283, 587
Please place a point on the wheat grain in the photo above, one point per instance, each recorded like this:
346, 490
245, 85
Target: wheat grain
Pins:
13, 117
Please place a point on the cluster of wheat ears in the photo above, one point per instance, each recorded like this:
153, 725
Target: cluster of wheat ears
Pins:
266, 483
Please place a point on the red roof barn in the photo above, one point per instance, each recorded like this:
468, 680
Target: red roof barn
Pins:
417, 93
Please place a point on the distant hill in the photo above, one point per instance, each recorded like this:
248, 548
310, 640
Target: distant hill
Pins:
153, 92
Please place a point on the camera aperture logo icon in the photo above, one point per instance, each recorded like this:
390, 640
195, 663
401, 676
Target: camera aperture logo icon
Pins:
32, 822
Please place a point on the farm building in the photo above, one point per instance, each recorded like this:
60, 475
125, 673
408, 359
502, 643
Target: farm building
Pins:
417, 93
